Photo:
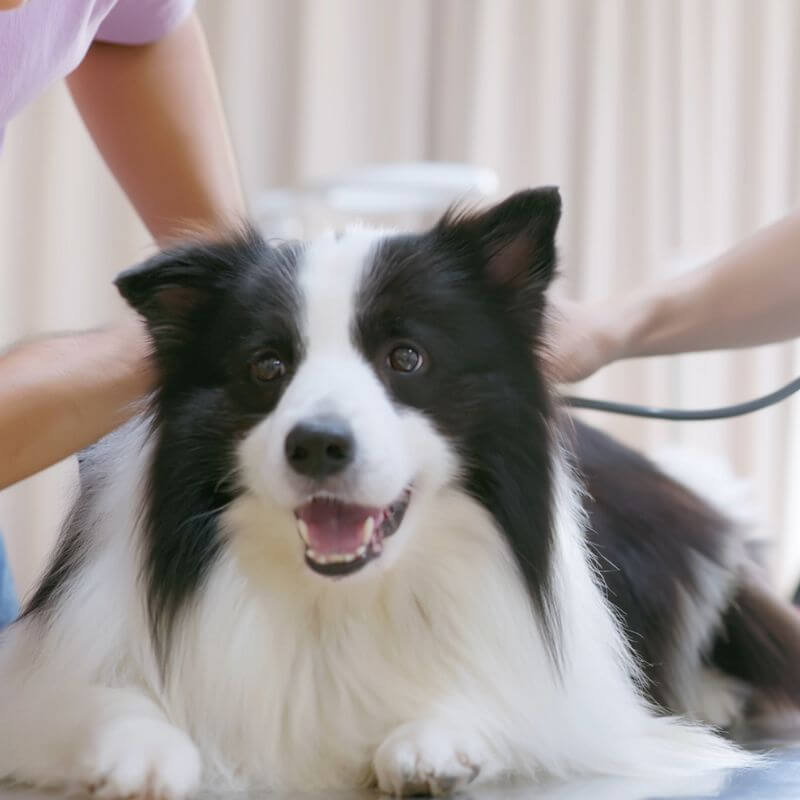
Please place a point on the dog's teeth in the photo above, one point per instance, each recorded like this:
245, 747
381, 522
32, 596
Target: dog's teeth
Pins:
303, 529
319, 558
333, 558
341, 558
361, 551
367, 530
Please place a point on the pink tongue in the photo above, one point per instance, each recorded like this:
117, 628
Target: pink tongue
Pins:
333, 527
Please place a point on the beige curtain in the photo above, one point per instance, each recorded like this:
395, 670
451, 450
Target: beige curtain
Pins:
672, 126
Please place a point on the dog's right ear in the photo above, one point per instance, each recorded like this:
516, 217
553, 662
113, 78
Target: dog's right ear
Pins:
170, 284
173, 289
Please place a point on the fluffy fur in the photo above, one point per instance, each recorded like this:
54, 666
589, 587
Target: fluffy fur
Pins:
184, 636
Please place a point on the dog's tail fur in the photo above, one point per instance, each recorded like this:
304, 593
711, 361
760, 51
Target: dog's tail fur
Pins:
758, 640
759, 643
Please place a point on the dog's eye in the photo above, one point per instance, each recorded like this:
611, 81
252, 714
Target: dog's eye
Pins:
405, 358
268, 367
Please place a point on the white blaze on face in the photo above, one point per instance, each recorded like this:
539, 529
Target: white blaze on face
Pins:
333, 379
394, 447
329, 276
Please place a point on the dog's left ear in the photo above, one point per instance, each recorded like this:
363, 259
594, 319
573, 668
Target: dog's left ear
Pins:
514, 240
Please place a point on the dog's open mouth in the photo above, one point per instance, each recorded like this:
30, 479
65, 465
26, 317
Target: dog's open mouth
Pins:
340, 538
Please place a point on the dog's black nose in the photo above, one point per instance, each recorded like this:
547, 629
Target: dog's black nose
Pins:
320, 447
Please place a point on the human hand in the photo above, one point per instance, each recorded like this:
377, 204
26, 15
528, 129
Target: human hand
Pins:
131, 340
579, 339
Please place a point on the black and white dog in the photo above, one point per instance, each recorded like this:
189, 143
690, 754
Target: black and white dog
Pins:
353, 541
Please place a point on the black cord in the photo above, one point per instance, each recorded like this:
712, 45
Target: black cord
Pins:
725, 412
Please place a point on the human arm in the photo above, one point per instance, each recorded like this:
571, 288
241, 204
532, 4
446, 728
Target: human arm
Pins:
60, 394
748, 296
155, 114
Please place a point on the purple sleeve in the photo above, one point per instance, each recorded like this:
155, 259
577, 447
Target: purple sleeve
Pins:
142, 21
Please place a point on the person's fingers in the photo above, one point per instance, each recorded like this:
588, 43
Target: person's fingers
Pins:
573, 347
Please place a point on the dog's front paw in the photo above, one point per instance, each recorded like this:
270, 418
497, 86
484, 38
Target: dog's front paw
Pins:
423, 758
139, 757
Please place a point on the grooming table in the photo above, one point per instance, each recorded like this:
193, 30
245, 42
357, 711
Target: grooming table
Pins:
779, 780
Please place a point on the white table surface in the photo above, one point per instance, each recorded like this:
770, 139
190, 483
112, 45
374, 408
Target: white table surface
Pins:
778, 780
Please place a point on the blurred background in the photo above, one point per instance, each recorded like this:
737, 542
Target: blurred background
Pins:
671, 126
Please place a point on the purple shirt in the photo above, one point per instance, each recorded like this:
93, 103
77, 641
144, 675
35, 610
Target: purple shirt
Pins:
44, 40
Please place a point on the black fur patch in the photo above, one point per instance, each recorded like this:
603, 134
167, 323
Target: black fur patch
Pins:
469, 294
69, 554
66, 561
647, 533
236, 299
759, 643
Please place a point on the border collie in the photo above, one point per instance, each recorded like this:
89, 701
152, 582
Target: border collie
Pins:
353, 541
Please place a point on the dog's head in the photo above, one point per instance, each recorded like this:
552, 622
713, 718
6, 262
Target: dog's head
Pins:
342, 384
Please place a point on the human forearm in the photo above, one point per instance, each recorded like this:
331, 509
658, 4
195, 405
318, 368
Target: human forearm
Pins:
155, 114
60, 394
748, 296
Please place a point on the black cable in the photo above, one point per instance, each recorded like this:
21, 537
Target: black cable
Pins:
725, 412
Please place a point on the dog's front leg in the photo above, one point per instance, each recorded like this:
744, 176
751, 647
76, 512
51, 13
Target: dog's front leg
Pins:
113, 743
437, 756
